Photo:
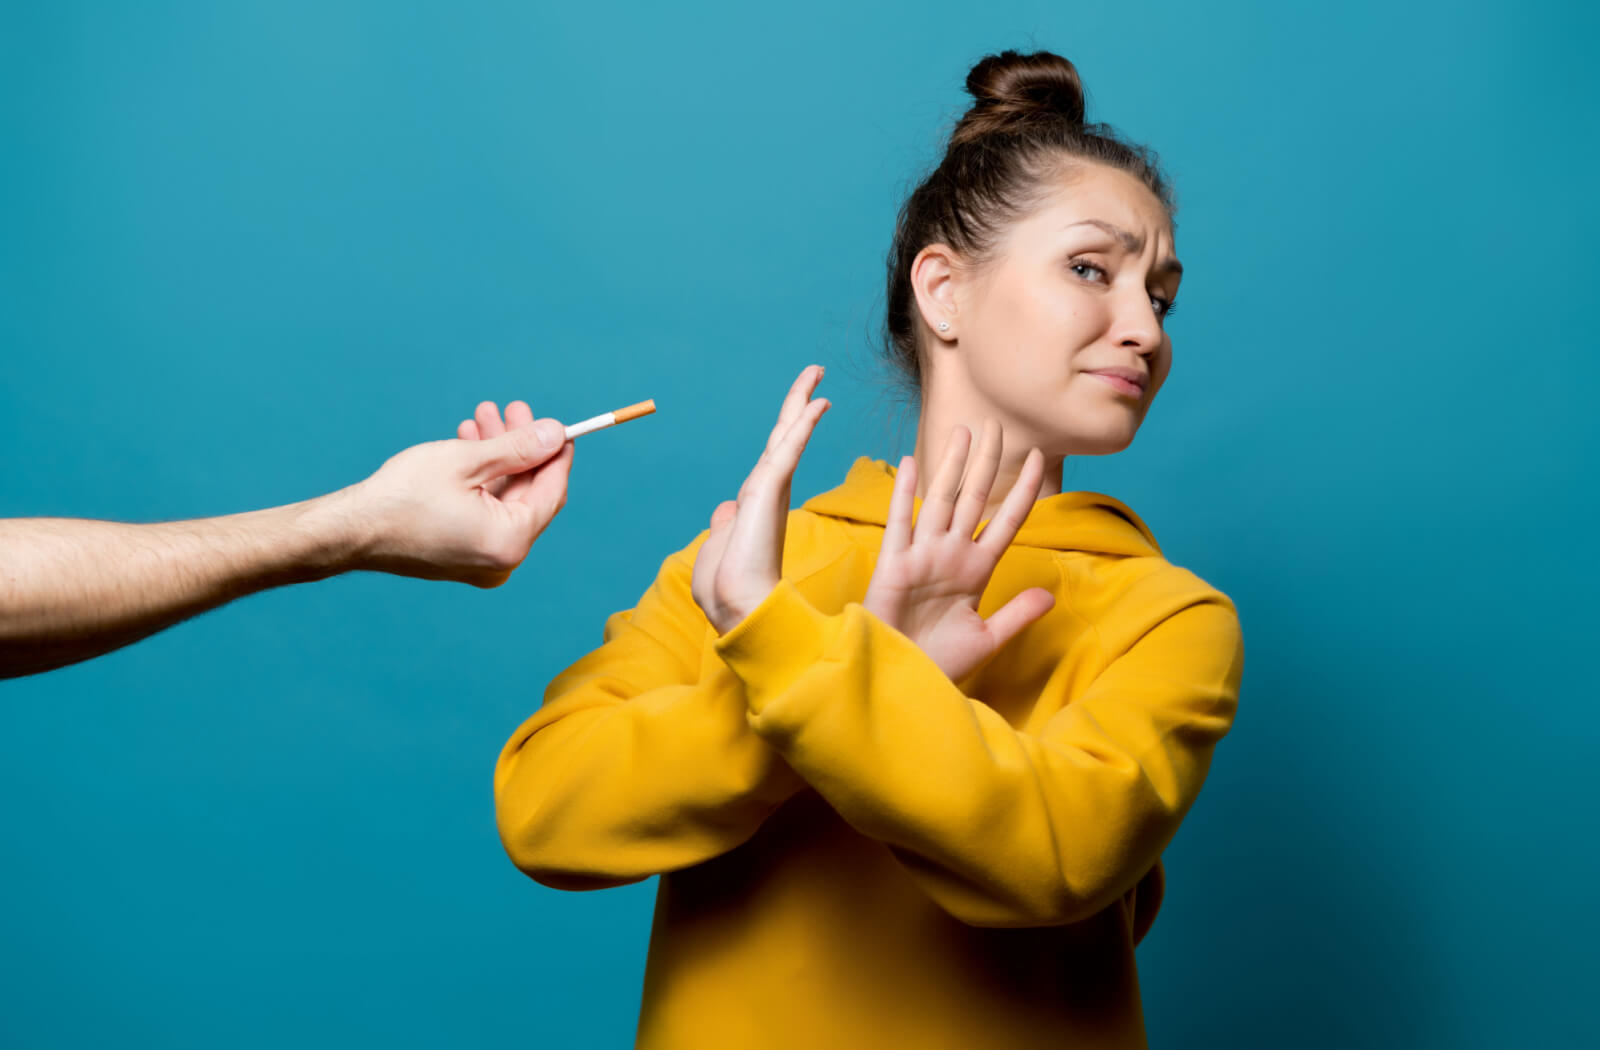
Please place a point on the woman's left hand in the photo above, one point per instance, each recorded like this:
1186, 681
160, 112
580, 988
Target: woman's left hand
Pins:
742, 560
928, 586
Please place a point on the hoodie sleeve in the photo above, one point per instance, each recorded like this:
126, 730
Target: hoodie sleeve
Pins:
999, 827
640, 760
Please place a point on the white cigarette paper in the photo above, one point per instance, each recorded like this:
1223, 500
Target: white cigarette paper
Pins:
610, 419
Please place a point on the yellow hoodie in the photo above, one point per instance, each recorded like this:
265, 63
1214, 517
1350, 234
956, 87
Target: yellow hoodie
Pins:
856, 851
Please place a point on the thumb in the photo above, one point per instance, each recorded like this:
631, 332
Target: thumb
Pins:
518, 449
723, 514
1009, 620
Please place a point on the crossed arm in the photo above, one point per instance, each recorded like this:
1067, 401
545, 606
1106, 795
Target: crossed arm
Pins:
641, 760
649, 756
644, 760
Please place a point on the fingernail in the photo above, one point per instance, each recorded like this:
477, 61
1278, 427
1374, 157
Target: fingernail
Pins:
550, 433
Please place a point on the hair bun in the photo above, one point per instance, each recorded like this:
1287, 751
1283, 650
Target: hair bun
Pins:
1016, 89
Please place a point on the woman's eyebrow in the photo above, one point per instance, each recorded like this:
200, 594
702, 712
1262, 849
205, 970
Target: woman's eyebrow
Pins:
1130, 242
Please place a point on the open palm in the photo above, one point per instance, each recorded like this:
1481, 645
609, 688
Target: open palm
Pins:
741, 560
928, 585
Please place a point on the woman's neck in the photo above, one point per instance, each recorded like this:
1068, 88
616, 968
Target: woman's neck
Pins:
942, 411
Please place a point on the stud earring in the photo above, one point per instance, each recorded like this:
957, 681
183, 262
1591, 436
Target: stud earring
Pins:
944, 326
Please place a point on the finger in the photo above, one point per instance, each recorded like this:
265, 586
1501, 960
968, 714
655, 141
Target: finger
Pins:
774, 471
467, 430
517, 486
786, 456
489, 426
761, 526
487, 423
725, 512
975, 487
940, 501
897, 531
764, 472
799, 396
547, 493
488, 417
1009, 620
518, 414
1002, 528
510, 453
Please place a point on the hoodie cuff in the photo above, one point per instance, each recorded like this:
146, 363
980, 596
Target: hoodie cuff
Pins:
775, 643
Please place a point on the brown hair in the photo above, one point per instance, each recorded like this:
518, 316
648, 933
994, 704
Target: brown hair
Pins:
1025, 126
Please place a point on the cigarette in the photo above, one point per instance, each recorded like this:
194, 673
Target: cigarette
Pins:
610, 419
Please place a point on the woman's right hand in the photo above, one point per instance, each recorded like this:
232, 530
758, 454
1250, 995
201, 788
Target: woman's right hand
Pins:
741, 561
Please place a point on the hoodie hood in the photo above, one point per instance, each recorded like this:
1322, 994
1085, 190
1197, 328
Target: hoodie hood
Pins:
1066, 521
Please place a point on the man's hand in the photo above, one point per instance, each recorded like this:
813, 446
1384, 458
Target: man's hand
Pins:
468, 509
464, 510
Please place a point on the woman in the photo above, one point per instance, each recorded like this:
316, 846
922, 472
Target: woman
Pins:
913, 789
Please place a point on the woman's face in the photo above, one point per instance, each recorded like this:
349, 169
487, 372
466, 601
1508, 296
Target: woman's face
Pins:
1080, 284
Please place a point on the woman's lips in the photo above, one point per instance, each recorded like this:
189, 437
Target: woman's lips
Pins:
1122, 385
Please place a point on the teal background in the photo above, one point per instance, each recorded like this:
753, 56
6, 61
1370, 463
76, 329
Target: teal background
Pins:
249, 250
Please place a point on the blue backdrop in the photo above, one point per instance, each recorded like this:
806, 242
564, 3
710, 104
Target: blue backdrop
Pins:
249, 250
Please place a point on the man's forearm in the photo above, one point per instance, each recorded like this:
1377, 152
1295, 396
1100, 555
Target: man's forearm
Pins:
71, 589
462, 510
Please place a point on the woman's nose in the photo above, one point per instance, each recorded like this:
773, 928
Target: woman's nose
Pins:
1136, 323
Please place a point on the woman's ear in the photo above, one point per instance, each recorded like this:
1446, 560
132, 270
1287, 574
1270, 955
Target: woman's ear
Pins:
933, 281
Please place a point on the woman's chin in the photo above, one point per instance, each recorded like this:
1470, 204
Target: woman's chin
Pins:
1102, 433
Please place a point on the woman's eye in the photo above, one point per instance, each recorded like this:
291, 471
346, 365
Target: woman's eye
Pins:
1164, 307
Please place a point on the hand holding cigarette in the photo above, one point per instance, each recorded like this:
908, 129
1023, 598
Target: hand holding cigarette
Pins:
446, 510
470, 510
486, 423
464, 510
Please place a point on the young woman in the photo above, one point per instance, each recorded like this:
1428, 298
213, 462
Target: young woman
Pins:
905, 787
